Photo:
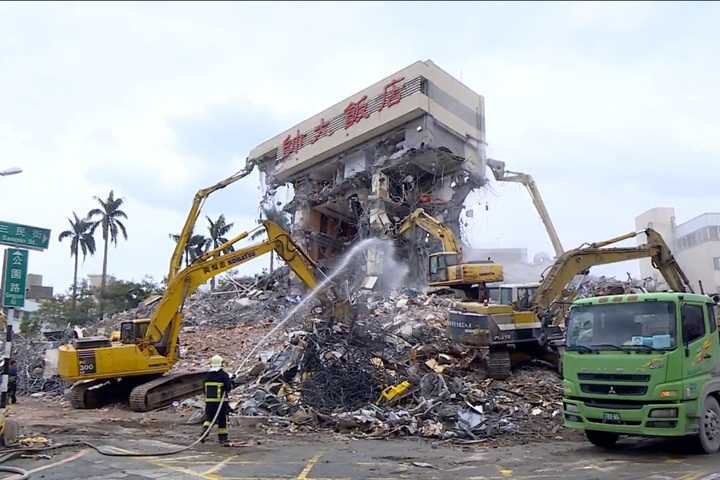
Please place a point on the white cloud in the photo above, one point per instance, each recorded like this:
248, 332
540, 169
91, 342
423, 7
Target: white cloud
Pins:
610, 106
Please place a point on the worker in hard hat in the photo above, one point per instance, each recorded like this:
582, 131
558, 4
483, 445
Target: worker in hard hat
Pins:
217, 388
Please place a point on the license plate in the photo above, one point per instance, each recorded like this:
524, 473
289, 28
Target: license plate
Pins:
611, 417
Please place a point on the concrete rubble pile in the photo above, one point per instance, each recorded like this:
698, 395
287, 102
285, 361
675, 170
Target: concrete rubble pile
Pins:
35, 377
334, 377
593, 286
244, 300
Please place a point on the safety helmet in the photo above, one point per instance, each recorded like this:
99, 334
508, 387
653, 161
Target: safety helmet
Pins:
216, 362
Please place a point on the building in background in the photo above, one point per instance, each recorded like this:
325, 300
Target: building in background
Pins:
95, 279
414, 139
35, 290
695, 244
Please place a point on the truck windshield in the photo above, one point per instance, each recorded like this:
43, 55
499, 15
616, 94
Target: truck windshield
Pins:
626, 325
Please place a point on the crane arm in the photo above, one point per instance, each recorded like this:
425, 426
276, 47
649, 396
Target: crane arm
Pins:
577, 261
497, 168
198, 200
169, 310
419, 218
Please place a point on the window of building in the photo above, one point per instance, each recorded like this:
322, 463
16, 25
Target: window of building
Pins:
716, 263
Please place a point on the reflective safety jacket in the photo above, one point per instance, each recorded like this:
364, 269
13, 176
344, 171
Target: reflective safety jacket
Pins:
217, 384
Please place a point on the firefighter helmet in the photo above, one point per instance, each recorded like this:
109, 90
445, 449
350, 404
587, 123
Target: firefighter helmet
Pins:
216, 362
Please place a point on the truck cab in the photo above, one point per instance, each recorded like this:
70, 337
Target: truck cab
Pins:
643, 365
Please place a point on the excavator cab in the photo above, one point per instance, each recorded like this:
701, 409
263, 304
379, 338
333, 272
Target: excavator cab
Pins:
439, 263
508, 294
134, 330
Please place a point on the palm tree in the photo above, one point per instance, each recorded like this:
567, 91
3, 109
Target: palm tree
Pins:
81, 240
276, 216
218, 229
107, 217
195, 247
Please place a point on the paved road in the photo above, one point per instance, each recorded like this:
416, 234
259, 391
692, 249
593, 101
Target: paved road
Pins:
382, 460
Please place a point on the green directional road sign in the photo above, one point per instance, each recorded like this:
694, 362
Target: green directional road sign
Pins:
24, 236
14, 277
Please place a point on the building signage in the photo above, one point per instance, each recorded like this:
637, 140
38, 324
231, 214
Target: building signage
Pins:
354, 113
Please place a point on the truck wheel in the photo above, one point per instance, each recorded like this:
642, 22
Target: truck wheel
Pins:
708, 439
602, 439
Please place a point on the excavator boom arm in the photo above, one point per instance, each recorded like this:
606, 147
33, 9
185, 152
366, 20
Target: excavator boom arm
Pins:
579, 260
198, 200
419, 218
497, 167
187, 280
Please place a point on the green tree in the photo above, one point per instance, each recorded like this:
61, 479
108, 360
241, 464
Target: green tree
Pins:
218, 229
30, 325
277, 216
122, 295
81, 240
59, 311
107, 217
195, 247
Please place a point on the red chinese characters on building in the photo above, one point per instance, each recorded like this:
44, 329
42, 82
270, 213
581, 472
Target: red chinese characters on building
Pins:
392, 93
293, 144
322, 130
355, 112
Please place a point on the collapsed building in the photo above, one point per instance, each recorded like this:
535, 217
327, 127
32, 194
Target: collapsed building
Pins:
414, 139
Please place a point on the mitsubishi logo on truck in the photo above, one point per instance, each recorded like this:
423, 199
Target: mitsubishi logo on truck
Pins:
612, 391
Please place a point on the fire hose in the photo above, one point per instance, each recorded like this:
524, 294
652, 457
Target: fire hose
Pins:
9, 454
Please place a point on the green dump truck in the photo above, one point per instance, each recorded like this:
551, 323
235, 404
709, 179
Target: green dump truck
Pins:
644, 364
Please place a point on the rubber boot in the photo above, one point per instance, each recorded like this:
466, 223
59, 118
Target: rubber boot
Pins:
203, 433
223, 439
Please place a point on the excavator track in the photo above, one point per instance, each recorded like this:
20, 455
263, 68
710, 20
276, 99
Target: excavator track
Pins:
498, 361
91, 394
165, 390
81, 397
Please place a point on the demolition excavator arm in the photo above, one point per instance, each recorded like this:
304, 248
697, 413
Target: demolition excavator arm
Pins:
580, 260
196, 207
497, 168
137, 365
169, 312
419, 218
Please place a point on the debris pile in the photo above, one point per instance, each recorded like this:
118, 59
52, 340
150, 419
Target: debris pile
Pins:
34, 378
593, 286
393, 372
244, 300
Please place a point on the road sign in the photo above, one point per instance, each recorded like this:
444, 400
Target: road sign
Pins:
24, 236
14, 277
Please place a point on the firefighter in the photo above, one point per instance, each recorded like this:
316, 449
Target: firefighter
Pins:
217, 384
12, 381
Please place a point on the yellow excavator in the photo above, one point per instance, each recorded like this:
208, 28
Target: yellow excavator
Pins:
136, 367
448, 268
534, 327
497, 167
148, 348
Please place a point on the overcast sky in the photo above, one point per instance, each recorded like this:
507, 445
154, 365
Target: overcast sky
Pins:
612, 107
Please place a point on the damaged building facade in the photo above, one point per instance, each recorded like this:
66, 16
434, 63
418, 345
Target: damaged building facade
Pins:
414, 139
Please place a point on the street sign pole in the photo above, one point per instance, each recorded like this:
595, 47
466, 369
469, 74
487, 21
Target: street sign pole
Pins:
14, 279
24, 236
